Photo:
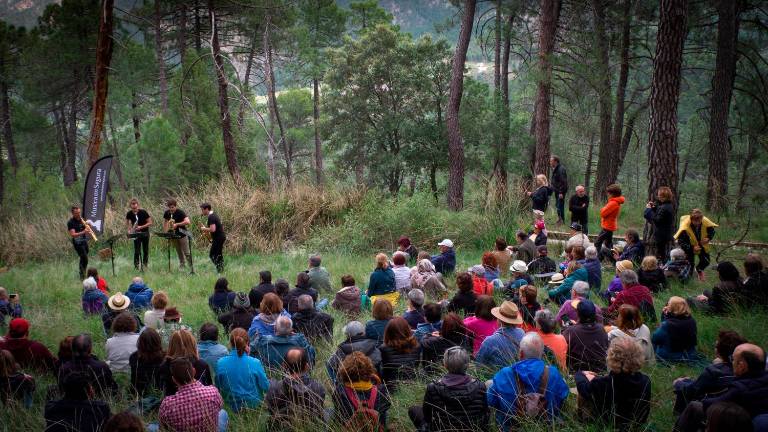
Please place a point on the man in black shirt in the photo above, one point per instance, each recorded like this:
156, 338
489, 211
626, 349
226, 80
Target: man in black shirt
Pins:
79, 233
176, 220
579, 205
559, 183
216, 229
138, 221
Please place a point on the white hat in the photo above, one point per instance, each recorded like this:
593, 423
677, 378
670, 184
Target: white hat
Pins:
446, 243
519, 266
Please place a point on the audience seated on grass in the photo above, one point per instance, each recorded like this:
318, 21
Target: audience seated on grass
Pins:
146, 362
240, 316
567, 314
295, 402
728, 417
651, 276
501, 348
452, 333
83, 361
319, 278
482, 324
117, 304
271, 349
528, 305
677, 268
620, 400
125, 421
587, 340
194, 407
676, 338
414, 315
122, 344
633, 251
79, 409
724, 295
221, 299
455, 402
291, 300
490, 266
93, 300
358, 386
15, 386
264, 287
405, 246
101, 283
481, 286
208, 348
154, 317
542, 264
183, 345
400, 353
139, 293
632, 293
520, 277
445, 261
433, 316
525, 248
29, 354
755, 287
9, 307
282, 288
629, 324
402, 272
270, 309
382, 280
503, 256
594, 268
355, 340
171, 324
240, 377
529, 379
575, 272
382, 313
315, 325
347, 299
615, 286
555, 343
464, 300
428, 280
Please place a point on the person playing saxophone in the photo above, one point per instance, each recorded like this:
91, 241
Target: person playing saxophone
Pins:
79, 230
138, 221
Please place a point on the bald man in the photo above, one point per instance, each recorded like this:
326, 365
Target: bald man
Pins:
281, 397
579, 205
749, 389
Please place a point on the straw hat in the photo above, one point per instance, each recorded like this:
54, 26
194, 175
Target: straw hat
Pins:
556, 279
508, 313
118, 302
624, 265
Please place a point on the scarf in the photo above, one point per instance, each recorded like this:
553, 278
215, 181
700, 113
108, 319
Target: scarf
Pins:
424, 271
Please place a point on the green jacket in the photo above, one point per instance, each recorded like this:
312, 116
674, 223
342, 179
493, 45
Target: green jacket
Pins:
562, 293
319, 279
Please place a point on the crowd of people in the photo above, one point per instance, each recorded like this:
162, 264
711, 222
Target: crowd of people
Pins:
502, 348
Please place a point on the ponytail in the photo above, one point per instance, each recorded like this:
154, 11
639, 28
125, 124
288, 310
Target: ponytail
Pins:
238, 339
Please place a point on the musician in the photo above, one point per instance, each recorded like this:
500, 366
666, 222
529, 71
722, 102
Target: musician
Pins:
176, 220
79, 232
138, 221
216, 229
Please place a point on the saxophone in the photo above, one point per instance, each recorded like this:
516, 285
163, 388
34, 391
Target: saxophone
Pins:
89, 229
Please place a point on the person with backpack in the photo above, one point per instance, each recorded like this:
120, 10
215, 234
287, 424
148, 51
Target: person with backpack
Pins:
360, 400
529, 390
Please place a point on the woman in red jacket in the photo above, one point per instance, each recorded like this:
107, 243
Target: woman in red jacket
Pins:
609, 216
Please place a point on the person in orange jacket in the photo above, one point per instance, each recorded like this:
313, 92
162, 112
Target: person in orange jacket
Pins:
609, 216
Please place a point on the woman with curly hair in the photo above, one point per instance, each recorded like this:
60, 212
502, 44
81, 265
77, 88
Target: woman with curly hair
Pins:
621, 399
400, 353
491, 266
358, 384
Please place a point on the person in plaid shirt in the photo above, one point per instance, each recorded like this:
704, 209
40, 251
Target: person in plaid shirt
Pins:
195, 407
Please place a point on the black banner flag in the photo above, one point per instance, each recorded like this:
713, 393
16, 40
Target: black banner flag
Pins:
95, 194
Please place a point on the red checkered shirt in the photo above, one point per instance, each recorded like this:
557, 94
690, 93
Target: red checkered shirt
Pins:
194, 408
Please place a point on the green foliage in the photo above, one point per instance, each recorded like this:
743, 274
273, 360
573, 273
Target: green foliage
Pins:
156, 155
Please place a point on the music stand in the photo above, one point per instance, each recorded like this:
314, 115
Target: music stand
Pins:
175, 236
134, 236
111, 242
189, 241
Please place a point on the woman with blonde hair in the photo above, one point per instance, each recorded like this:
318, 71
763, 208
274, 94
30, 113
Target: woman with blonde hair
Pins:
382, 281
183, 345
540, 196
675, 340
629, 324
240, 377
154, 318
651, 276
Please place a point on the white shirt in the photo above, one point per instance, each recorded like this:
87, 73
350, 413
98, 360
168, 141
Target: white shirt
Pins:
154, 318
402, 278
119, 349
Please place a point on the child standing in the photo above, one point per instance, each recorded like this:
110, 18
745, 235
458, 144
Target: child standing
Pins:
609, 216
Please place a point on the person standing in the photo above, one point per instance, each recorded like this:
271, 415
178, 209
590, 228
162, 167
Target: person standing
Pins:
661, 215
559, 184
79, 231
540, 196
138, 221
579, 205
218, 237
609, 217
177, 221
694, 237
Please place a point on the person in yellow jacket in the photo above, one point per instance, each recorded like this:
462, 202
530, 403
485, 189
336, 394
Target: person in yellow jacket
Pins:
694, 237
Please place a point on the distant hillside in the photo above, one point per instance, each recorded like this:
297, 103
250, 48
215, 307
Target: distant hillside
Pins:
23, 13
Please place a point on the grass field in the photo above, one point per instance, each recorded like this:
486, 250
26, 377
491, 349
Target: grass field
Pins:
50, 294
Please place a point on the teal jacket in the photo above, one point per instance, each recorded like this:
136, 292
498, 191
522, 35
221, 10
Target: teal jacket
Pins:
382, 281
563, 292
242, 380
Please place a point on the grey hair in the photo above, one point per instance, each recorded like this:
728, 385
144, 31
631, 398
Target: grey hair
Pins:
89, 284
531, 346
628, 277
305, 302
581, 288
545, 320
456, 360
138, 280
354, 328
590, 252
4, 292
283, 326
416, 296
676, 254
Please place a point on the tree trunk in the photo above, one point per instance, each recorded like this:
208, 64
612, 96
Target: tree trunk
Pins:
198, 29
69, 173
590, 156
246, 82
722, 90
271, 148
101, 85
116, 154
182, 39
455, 143
547, 30
230, 151
608, 162
751, 151
5, 117
665, 94
272, 99
135, 116
160, 58
501, 175
497, 92
319, 174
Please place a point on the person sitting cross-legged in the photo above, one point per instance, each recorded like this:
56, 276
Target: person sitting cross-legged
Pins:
78, 409
676, 338
296, 401
528, 376
501, 348
194, 407
621, 399
455, 402
221, 299
240, 377
271, 349
360, 401
382, 280
315, 325
355, 341
319, 278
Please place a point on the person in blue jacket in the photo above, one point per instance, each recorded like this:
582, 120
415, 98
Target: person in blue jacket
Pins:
240, 377
529, 371
140, 294
382, 279
594, 269
445, 262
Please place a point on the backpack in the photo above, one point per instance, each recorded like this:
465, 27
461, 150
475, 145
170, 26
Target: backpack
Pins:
532, 405
364, 418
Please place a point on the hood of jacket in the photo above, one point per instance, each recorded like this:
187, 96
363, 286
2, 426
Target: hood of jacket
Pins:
618, 200
359, 343
137, 287
349, 293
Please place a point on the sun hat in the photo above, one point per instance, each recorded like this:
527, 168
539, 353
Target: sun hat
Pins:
118, 302
18, 327
446, 243
556, 278
624, 265
519, 266
576, 226
508, 313
241, 300
172, 314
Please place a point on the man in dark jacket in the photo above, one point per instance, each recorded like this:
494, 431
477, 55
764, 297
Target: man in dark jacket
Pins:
76, 411
543, 264
526, 249
355, 341
240, 316
749, 389
445, 262
559, 183
661, 215
265, 286
291, 300
587, 341
455, 402
295, 401
311, 322
579, 207
99, 374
